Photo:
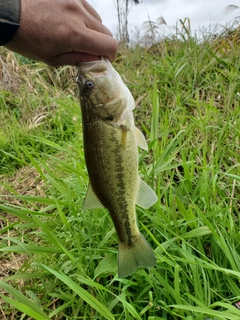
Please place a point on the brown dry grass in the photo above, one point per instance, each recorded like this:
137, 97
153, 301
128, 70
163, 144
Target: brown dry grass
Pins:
26, 182
9, 72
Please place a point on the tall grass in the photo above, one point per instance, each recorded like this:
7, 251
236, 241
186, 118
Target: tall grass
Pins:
188, 107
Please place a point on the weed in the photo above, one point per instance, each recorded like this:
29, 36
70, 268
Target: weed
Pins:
188, 107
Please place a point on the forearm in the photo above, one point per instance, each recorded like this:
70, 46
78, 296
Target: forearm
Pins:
9, 19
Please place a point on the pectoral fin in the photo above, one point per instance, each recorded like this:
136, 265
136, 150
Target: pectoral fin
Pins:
141, 139
124, 139
91, 201
146, 197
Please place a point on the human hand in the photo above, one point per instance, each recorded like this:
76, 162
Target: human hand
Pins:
61, 32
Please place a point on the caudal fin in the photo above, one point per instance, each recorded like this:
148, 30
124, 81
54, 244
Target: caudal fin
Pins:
140, 255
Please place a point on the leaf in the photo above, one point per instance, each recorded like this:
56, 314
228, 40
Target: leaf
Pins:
198, 232
220, 314
108, 265
82, 293
22, 303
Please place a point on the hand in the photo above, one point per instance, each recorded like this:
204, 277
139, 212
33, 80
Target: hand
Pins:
62, 32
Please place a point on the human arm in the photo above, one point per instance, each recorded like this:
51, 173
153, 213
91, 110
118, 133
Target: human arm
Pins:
61, 32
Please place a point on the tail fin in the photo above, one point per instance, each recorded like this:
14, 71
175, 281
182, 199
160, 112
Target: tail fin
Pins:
140, 255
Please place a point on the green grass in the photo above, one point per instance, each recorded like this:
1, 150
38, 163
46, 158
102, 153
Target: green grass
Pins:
188, 107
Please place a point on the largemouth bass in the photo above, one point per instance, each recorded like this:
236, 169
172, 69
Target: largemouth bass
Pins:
111, 143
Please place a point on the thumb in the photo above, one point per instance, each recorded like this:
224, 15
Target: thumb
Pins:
72, 59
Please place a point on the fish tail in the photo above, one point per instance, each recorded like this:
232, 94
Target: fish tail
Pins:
140, 255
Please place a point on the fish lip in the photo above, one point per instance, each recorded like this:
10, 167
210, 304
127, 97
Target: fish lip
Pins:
81, 80
96, 66
93, 69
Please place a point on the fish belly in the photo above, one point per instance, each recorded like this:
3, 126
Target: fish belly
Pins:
112, 161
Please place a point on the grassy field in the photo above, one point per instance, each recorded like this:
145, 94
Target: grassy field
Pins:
57, 262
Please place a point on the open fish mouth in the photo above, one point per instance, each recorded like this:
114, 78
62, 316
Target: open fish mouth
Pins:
96, 68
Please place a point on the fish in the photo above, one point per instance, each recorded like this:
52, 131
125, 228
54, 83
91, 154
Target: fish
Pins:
111, 142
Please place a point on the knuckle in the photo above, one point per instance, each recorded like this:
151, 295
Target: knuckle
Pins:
72, 5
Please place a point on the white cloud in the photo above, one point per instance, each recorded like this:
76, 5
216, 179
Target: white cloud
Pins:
201, 12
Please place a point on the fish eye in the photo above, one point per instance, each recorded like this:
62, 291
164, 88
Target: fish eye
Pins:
89, 84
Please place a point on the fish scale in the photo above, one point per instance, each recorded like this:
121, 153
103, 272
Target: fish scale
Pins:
111, 151
121, 173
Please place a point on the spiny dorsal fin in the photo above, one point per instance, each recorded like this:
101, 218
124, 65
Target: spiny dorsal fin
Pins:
91, 201
146, 197
141, 139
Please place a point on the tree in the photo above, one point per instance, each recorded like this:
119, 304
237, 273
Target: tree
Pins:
123, 8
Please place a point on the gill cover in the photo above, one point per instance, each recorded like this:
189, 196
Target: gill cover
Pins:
109, 97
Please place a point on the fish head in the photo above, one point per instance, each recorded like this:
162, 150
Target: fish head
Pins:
104, 94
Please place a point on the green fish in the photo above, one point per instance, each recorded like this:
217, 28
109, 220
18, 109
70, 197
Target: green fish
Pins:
111, 143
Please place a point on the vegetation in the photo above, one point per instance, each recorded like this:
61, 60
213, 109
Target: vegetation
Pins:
57, 262
123, 8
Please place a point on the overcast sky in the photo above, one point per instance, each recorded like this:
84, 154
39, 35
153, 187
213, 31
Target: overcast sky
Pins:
201, 12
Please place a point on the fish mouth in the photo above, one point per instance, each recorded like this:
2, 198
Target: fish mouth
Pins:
94, 69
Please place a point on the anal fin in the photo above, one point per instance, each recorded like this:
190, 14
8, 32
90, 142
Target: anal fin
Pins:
146, 197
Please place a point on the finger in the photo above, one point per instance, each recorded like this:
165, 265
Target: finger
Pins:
73, 59
85, 57
93, 51
97, 43
94, 24
92, 42
91, 10
93, 20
